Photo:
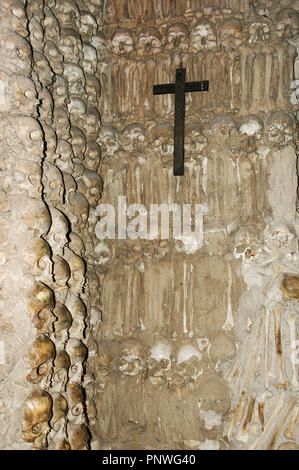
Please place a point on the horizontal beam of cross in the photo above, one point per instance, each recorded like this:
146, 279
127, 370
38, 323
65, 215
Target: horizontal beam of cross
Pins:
166, 88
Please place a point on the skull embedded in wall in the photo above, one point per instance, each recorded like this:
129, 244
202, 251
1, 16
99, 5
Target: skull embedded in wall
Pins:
131, 358
93, 89
231, 34
65, 156
122, 42
36, 34
78, 354
77, 267
37, 414
93, 287
188, 365
99, 41
134, 138
177, 37
88, 25
78, 142
51, 139
280, 127
290, 287
128, 252
28, 176
195, 140
78, 211
53, 184
149, 42
213, 393
35, 215
63, 322
70, 45
42, 68
280, 238
162, 137
246, 244
61, 273
60, 409
155, 250
159, 362
109, 140
93, 155
60, 91
91, 185
204, 37
91, 123
78, 435
252, 126
287, 23
101, 254
62, 123
13, 17
89, 61
57, 236
25, 96
75, 395
53, 56
259, 31
30, 133
75, 78
46, 105
16, 53
40, 304
61, 367
76, 109
39, 357
67, 13
76, 244
38, 257
51, 25
221, 129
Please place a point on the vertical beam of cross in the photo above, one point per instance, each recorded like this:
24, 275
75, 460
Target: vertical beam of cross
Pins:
179, 88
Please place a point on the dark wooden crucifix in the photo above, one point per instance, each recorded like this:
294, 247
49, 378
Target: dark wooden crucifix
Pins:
179, 88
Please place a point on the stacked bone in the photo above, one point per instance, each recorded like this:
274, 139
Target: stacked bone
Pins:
55, 122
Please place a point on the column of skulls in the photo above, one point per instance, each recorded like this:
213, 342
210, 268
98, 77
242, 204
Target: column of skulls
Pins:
25, 258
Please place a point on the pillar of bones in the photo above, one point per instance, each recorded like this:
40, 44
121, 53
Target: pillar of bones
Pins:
148, 343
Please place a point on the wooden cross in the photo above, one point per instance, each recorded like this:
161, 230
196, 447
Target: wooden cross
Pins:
180, 87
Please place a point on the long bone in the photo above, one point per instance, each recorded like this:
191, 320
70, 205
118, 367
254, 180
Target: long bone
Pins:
277, 320
290, 431
291, 320
280, 424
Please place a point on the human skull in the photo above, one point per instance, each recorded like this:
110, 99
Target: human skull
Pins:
46, 105
93, 155
51, 139
252, 126
61, 272
71, 45
134, 138
60, 409
78, 142
75, 395
91, 185
63, 323
177, 37
18, 94
246, 244
39, 358
16, 53
51, 25
57, 236
231, 34
259, 30
77, 268
93, 89
60, 91
163, 144
78, 354
280, 127
42, 68
36, 34
61, 367
62, 123
93, 287
279, 236
76, 244
101, 254
76, 109
31, 136
149, 42
13, 17
98, 41
155, 249
54, 57
195, 140
287, 23
222, 126
40, 304
37, 256
188, 365
53, 184
132, 361
159, 361
79, 436
122, 42
88, 25
78, 211
89, 61
109, 140
128, 251
37, 414
67, 13
204, 37
28, 176
35, 215
65, 155
75, 78
91, 123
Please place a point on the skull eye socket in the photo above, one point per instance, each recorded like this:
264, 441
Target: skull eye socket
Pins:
37, 428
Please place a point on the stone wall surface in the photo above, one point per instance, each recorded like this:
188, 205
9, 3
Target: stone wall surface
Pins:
148, 343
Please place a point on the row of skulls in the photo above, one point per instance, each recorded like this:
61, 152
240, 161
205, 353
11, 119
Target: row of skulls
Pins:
134, 138
204, 35
51, 102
